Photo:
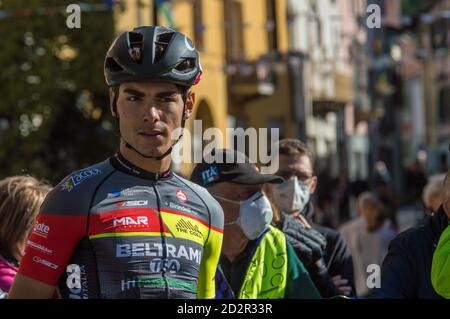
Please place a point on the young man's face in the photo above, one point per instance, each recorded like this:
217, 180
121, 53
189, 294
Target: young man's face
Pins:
149, 113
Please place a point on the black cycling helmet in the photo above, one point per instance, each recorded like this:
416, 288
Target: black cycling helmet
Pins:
152, 53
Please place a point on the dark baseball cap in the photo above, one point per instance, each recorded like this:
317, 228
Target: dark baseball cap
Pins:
230, 166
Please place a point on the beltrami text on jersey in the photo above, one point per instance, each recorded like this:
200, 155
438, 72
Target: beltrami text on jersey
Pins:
194, 309
258, 144
156, 250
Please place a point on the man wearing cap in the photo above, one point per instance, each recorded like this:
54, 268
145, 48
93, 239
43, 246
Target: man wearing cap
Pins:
256, 260
413, 256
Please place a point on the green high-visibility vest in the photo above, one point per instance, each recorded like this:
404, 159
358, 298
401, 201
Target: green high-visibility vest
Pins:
267, 273
440, 269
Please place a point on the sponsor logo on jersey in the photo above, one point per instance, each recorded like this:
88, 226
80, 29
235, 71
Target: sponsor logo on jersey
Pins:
185, 226
41, 230
44, 262
210, 175
76, 179
182, 208
77, 281
157, 250
166, 265
159, 283
130, 221
132, 203
113, 194
129, 192
39, 247
182, 196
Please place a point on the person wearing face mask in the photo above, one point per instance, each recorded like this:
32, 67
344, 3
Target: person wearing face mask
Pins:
323, 250
256, 262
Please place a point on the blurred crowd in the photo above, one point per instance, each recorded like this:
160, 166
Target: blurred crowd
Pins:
339, 261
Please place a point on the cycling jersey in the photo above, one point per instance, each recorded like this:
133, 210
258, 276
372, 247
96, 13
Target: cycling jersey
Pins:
115, 231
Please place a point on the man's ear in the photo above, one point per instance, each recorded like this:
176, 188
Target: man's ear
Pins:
313, 184
112, 95
190, 101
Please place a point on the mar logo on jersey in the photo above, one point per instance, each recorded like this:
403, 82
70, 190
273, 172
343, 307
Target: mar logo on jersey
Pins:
130, 221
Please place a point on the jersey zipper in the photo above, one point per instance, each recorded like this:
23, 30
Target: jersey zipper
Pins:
163, 237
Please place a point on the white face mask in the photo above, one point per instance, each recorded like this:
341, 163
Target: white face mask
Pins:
292, 195
255, 214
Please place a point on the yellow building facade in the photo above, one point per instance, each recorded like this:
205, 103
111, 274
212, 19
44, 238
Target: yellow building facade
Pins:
226, 32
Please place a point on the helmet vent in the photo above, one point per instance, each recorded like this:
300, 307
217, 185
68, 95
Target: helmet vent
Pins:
135, 44
161, 44
186, 65
112, 66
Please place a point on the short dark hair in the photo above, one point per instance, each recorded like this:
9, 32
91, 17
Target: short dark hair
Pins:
292, 146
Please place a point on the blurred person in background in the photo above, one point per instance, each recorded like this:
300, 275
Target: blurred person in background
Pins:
349, 228
257, 261
323, 250
385, 191
369, 239
20, 199
406, 270
432, 193
415, 179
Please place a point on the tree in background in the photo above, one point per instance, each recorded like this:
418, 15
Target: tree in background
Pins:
54, 112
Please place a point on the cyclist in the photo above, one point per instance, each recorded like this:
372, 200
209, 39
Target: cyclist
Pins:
129, 227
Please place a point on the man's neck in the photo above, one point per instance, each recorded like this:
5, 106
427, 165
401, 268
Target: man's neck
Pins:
234, 242
148, 164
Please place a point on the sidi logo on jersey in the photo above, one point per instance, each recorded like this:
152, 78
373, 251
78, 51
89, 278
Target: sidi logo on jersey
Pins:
132, 203
44, 262
130, 221
76, 179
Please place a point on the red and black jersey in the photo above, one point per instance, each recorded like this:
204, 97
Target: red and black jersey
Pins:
115, 231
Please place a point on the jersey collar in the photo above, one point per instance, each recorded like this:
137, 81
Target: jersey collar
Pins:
120, 163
